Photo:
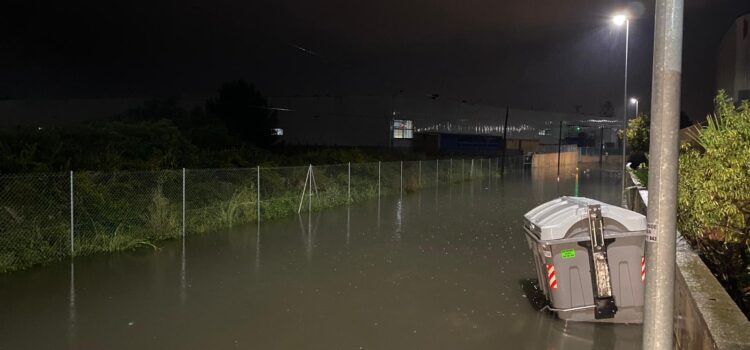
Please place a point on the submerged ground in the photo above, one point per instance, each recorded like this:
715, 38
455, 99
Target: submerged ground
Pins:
444, 268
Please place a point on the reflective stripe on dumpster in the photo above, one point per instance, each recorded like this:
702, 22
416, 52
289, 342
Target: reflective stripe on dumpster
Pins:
551, 276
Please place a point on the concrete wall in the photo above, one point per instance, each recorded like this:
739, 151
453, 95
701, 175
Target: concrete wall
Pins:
705, 316
550, 159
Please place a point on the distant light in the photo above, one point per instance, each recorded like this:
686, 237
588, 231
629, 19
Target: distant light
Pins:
619, 19
277, 132
39, 128
633, 100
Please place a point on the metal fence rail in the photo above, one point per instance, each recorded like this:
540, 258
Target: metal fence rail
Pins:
47, 217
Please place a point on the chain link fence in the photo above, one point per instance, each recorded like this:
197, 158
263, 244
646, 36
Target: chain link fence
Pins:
47, 217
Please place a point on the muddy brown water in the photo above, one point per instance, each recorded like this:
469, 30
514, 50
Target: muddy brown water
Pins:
443, 268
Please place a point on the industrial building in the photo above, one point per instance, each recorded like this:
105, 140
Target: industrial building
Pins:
733, 71
432, 124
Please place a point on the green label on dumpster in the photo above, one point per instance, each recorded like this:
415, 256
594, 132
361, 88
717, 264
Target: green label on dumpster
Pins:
568, 253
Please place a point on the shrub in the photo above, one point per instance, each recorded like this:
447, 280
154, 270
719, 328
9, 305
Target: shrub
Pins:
714, 196
638, 133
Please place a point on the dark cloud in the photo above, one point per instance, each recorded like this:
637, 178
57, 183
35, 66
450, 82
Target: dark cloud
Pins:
530, 54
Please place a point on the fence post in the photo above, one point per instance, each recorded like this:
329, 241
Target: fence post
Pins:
450, 172
257, 196
437, 171
378, 178
304, 189
72, 220
349, 183
183, 202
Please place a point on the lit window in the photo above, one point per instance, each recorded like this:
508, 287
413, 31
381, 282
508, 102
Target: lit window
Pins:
403, 129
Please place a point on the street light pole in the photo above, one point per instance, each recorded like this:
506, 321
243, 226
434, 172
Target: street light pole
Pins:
625, 108
658, 314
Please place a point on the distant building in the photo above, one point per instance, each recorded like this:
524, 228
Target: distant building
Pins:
733, 71
428, 124
432, 124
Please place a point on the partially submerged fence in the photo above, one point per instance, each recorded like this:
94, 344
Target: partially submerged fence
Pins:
47, 217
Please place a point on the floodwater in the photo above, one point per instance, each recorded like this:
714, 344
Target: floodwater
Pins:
444, 268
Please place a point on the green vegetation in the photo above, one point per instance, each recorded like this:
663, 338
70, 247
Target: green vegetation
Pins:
233, 130
122, 210
128, 194
714, 197
641, 174
638, 133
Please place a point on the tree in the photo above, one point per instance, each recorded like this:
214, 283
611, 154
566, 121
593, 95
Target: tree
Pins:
638, 133
714, 195
245, 112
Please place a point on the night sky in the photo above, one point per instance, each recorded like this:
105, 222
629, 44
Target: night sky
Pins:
543, 54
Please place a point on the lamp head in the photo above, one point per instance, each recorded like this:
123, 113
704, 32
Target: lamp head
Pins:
633, 100
619, 19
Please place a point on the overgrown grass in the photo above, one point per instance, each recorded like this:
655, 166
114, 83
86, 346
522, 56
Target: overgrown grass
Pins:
126, 210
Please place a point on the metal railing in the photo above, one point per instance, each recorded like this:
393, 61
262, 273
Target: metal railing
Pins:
47, 217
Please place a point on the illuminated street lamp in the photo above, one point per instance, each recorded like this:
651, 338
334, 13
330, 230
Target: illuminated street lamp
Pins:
619, 19
634, 101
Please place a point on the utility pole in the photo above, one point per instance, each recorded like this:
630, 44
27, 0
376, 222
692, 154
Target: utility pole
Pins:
658, 320
625, 112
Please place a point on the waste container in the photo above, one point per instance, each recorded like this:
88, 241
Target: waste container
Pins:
589, 258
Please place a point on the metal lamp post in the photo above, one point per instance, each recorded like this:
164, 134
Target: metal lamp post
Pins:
620, 20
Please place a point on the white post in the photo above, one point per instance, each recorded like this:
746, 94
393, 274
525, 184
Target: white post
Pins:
420, 174
72, 220
257, 196
313, 183
378, 178
450, 171
402, 178
302, 198
183, 202
437, 172
349, 183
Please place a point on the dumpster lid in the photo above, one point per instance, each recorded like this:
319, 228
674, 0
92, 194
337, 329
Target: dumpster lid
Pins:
553, 219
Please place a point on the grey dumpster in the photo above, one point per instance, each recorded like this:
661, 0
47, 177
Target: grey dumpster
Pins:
589, 259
